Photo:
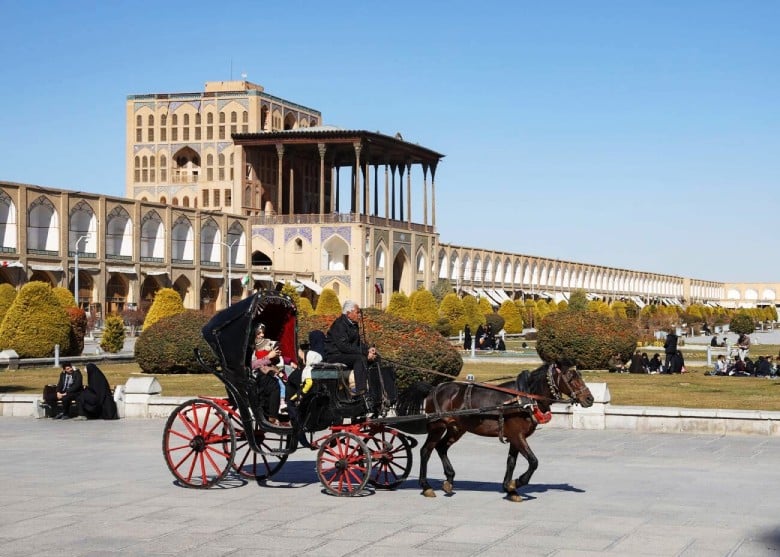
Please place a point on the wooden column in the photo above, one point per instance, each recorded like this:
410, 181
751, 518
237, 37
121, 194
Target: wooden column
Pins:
425, 194
322, 149
356, 178
280, 177
409, 194
387, 194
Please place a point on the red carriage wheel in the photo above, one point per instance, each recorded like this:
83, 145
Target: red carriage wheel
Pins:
199, 443
259, 466
391, 455
343, 464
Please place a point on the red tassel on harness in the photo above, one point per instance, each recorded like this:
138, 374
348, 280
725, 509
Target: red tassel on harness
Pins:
542, 417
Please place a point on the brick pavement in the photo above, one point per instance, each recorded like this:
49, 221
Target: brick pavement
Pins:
102, 488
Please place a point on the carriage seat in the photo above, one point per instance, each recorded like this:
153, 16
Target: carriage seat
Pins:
340, 372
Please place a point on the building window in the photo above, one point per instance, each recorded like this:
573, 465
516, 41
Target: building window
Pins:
139, 135
228, 198
222, 132
150, 131
137, 169
152, 169
163, 168
174, 128
144, 169
221, 172
197, 127
209, 168
210, 125
216, 198
205, 198
298, 244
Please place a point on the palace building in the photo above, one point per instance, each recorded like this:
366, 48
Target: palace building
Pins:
232, 189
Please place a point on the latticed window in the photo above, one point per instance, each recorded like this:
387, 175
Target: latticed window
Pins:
216, 198
150, 130
245, 122
205, 198
144, 169
163, 168
137, 169
164, 127
209, 167
185, 132
228, 198
197, 127
221, 166
174, 128
152, 169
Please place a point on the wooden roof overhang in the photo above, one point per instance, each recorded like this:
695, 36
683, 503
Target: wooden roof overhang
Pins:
376, 149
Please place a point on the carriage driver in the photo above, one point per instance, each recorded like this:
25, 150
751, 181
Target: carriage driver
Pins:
343, 345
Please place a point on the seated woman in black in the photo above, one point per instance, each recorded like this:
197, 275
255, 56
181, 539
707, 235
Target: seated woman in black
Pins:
96, 399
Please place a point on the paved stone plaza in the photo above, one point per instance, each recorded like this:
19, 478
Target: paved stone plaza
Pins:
102, 488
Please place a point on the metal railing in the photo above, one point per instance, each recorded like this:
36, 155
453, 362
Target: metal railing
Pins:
338, 218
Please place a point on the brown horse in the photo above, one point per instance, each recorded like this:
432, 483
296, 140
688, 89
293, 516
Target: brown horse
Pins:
455, 408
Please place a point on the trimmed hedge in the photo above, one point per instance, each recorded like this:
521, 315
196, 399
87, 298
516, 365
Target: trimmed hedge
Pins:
78, 329
402, 341
328, 304
584, 338
113, 334
166, 302
167, 346
35, 323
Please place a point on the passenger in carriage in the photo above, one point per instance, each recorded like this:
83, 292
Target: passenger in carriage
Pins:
343, 345
264, 361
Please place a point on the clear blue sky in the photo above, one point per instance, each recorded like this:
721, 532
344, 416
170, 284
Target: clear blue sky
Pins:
641, 135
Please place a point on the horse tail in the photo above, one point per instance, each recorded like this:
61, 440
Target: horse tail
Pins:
411, 399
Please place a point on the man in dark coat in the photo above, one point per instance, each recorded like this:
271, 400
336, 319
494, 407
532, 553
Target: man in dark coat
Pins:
96, 400
69, 388
343, 345
670, 349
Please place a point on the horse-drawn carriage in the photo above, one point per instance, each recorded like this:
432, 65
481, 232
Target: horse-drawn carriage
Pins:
207, 437
359, 441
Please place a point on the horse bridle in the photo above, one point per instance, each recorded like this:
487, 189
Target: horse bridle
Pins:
557, 392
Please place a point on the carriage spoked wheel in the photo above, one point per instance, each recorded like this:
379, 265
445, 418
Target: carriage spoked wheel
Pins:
199, 443
344, 464
391, 457
250, 464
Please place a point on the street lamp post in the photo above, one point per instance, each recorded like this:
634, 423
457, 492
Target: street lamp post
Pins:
230, 268
76, 269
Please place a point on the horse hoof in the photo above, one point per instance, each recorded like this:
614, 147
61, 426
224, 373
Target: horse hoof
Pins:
429, 492
515, 498
511, 486
447, 487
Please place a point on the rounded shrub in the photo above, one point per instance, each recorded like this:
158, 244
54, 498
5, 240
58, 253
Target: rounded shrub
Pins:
413, 344
584, 338
7, 295
424, 307
166, 302
113, 334
399, 305
451, 310
472, 312
64, 296
495, 321
328, 304
742, 323
167, 346
35, 323
304, 307
513, 322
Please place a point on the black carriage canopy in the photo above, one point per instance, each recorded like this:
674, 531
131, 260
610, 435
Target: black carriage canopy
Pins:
230, 333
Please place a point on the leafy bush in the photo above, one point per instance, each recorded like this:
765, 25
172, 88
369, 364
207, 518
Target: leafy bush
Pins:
328, 304
166, 302
399, 305
35, 323
304, 307
7, 295
424, 307
292, 292
167, 346
742, 323
133, 318
64, 296
495, 321
451, 310
402, 341
513, 323
472, 312
442, 288
78, 329
585, 338
113, 334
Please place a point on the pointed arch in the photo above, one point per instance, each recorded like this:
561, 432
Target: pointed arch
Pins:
43, 226
8, 240
335, 254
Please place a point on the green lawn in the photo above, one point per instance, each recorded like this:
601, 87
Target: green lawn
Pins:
690, 390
